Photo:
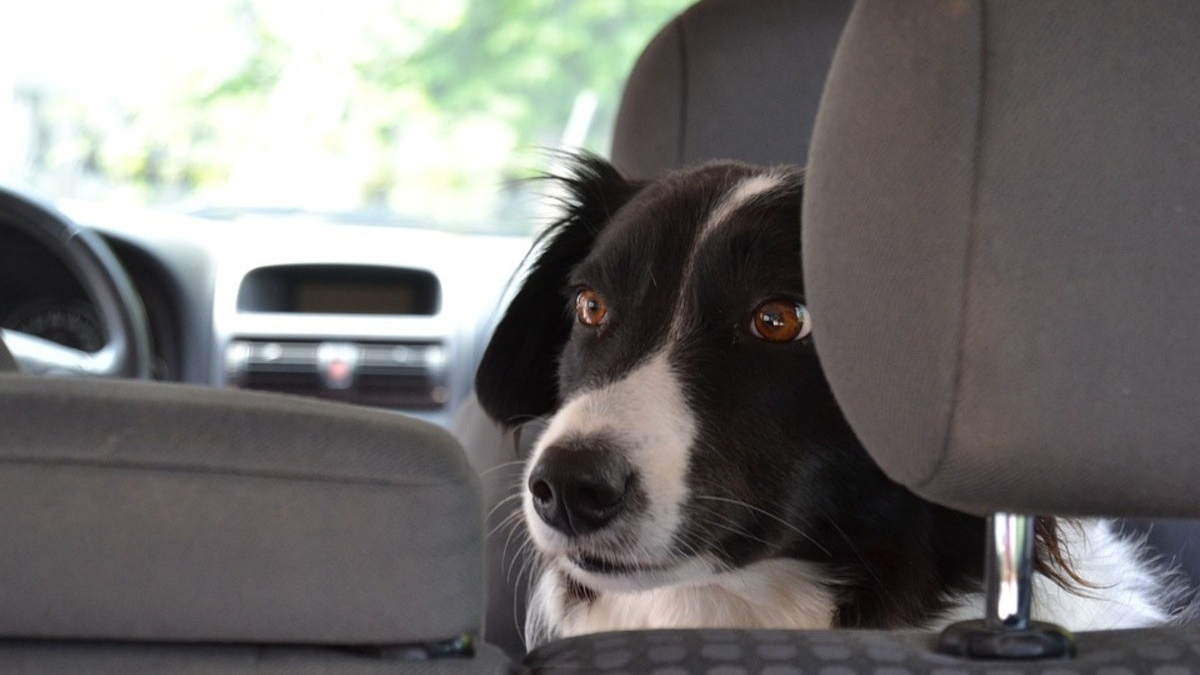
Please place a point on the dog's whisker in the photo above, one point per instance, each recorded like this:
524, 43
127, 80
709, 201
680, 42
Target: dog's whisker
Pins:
502, 503
689, 548
525, 562
510, 521
506, 502
516, 609
517, 555
515, 531
533, 568
500, 467
523, 554
768, 514
729, 525
885, 588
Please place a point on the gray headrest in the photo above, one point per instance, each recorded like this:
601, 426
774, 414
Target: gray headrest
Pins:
1002, 250
728, 79
148, 512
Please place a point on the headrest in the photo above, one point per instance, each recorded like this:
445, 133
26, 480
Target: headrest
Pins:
728, 79
1002, 250
150, 512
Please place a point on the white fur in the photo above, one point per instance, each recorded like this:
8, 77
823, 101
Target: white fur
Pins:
1127, 590
647, 413
737, 197
741, 195
777, 593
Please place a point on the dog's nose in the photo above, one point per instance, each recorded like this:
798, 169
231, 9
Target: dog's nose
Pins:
577, 490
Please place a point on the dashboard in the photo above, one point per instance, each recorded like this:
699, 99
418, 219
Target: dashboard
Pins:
39, 295
383, 316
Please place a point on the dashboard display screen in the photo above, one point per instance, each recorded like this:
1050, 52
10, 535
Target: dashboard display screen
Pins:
353, 297
340, 289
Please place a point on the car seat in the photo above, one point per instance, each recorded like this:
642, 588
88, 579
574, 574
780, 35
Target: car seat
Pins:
158, 528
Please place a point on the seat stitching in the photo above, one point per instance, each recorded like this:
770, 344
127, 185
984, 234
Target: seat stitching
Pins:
969, 257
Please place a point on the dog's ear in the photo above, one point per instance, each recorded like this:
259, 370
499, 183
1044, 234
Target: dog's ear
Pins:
517, 378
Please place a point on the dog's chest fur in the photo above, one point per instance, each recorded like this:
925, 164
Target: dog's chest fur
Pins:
775, 593
790, 594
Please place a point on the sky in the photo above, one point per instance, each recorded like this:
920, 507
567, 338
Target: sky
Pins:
108, 46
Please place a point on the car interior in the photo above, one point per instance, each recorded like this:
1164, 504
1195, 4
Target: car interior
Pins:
1000, 237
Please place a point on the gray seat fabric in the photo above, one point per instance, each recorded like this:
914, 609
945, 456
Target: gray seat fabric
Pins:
140, 512
728, 79
40, 657
1001, 230
499, 458
1000, 235
766, 652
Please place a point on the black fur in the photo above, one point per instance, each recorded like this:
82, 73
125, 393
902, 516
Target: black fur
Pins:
516, 379
771, 435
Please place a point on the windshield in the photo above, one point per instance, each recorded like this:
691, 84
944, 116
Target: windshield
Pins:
384, 111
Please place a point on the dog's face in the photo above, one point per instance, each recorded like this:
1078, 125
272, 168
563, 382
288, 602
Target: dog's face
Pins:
664, 326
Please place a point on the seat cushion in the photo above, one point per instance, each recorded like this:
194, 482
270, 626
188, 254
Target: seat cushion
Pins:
498, 456
139, 511
847, 652
83, 658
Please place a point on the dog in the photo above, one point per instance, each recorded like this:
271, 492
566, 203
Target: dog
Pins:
696, 470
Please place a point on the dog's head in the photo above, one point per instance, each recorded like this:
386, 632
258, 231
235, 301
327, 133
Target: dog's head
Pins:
664, 326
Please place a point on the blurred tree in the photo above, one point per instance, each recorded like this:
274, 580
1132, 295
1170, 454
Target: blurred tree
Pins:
527, 60
428, 109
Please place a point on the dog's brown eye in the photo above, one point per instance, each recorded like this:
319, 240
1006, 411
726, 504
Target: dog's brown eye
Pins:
780, 320
590, 308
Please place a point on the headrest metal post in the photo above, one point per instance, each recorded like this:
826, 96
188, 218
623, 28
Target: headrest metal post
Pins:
1008, 631
1010, 551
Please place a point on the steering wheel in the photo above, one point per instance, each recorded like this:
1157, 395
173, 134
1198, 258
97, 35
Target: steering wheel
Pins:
126, 351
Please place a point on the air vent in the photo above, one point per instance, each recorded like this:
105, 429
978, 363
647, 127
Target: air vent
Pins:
403, 376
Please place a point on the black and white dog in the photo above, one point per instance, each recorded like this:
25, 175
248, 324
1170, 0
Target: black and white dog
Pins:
696, 471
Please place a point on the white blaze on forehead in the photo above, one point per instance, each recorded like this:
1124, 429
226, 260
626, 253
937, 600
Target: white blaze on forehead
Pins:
742, 194
646, 414
736, 198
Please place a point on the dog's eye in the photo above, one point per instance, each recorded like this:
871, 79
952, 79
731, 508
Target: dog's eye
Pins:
590, 308
780, 320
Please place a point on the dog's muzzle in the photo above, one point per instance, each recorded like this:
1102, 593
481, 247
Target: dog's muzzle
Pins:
580, 488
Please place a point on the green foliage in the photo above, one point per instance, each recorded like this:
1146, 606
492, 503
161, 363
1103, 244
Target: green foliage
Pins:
527, 61
260, 72
429, 109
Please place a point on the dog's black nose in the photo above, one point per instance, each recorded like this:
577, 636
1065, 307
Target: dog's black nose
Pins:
578, 489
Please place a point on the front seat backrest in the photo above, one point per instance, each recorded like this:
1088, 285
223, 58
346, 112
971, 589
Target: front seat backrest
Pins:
154, 527
1002, 230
